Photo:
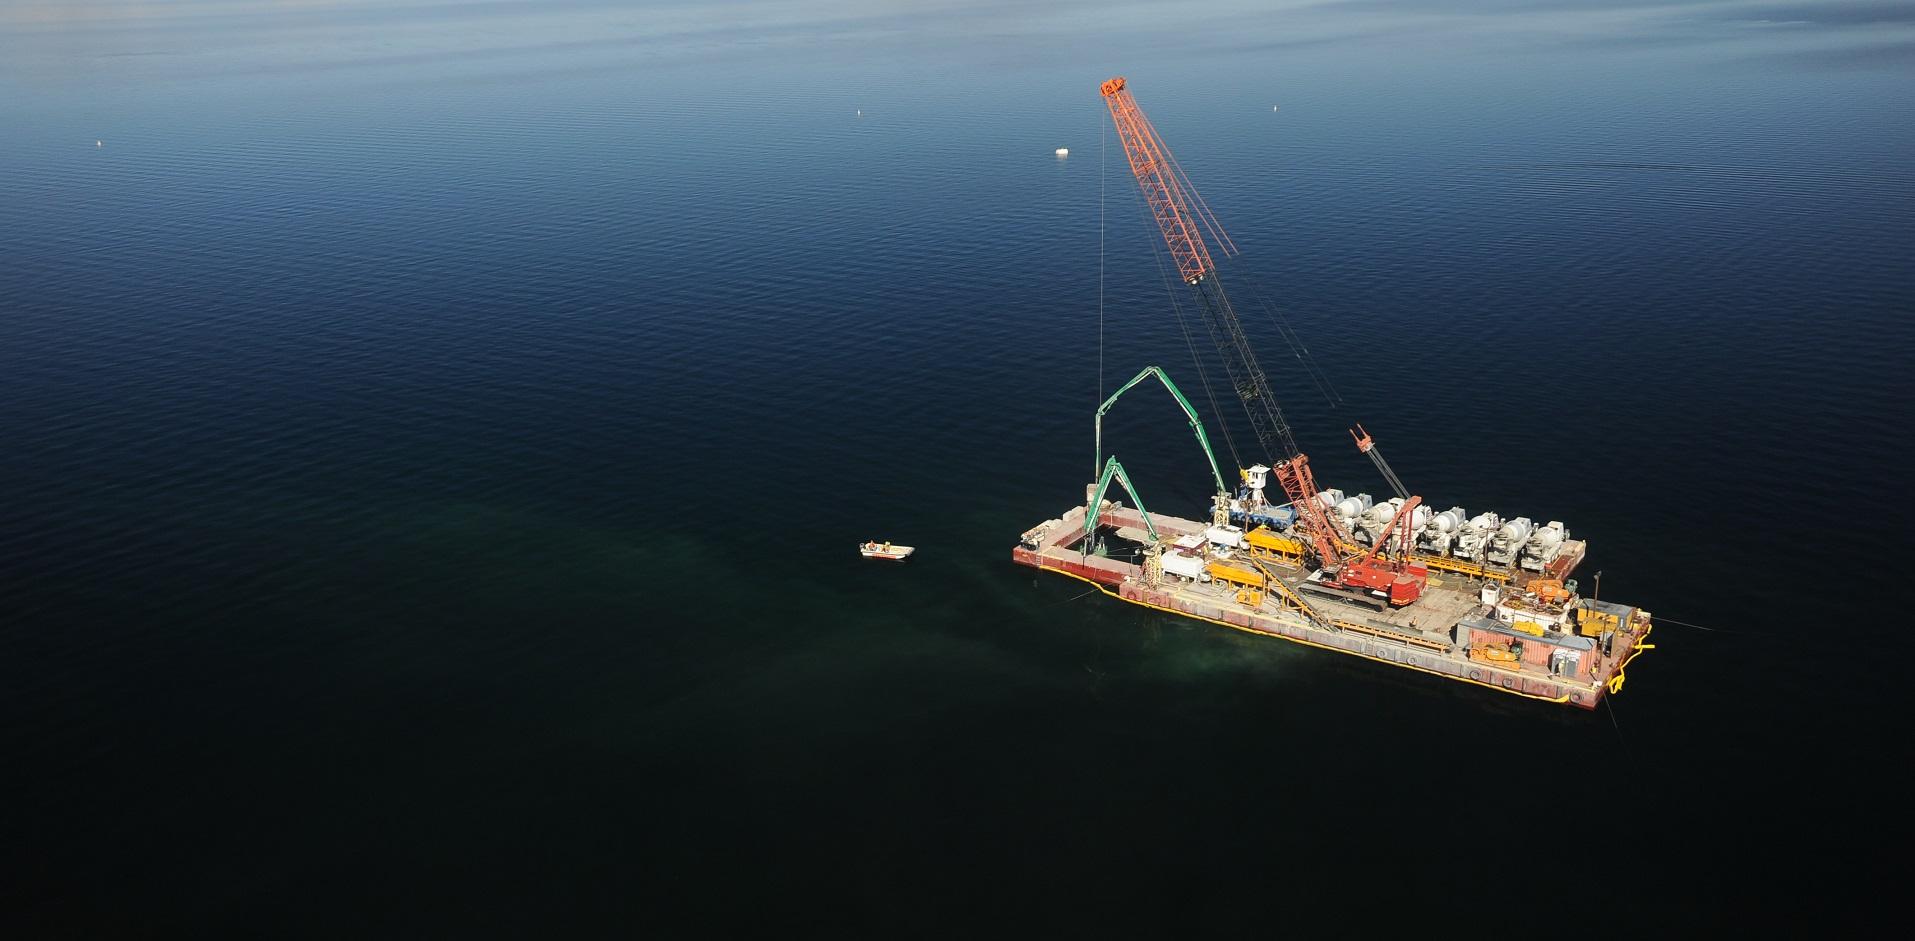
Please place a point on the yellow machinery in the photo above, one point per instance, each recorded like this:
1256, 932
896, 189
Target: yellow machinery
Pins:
1498, 654
1230, 574
1595, 618
1252, 587
1548, 590
1460, 566
1283, 548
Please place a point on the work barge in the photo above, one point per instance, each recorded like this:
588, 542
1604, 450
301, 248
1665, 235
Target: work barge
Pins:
1473, 622
1479, 599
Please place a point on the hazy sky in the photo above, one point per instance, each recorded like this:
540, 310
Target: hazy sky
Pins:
35, 33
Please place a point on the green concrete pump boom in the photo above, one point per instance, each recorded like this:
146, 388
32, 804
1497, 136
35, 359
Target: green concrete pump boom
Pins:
1196, 424
1112, 468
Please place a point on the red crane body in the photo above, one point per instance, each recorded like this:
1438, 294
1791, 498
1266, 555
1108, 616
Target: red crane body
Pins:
1401, 577
1325, 532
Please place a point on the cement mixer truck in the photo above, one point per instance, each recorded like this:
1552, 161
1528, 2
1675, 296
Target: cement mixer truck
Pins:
1544, 546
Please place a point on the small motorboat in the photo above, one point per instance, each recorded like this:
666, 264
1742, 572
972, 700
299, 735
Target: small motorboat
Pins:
885, 550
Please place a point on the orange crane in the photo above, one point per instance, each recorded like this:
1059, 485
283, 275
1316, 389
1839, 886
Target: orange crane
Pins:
1182, 218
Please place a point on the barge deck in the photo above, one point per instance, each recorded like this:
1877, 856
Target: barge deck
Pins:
1451, 631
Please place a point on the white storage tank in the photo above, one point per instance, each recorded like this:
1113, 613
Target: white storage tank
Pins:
1183, 566
1230, 536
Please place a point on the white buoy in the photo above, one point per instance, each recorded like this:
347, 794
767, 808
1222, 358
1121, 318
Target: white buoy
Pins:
99, 143
1273, 107
1063, 151
861, 112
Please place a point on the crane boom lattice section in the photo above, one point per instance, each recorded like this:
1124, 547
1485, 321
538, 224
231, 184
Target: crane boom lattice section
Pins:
1176, 213
1326, 534
1246, 374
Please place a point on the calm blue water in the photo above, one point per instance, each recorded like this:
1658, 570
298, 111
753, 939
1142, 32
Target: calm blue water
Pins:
435, 436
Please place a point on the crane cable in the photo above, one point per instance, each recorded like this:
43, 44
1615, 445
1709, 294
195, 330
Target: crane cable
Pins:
1227, 250
1196, 359
1318, 376
1158, 251
1183, 324
1100, 279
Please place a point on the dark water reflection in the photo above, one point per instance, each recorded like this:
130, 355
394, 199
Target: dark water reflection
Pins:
436, 434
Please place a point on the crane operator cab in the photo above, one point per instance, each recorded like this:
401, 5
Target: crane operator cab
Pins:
1256, 477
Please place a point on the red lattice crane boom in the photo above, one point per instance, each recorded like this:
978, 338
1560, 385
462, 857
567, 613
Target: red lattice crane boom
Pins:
1182, 218
1174, 203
